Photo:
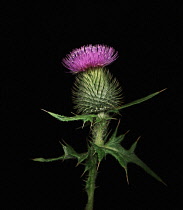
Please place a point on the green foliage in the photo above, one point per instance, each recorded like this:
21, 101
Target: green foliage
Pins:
122, 155
96, 152
49, 159
96, 117
134, 159
138, 101
112, 147
69, 153
85, 118
114, 139
90, 161
99, 151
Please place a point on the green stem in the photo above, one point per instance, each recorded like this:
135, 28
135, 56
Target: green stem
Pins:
90, 186
98, 134
100, 129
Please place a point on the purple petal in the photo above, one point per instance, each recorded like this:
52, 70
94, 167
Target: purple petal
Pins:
90, 56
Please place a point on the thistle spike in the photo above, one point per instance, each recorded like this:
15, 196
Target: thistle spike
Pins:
126, 171
133, 147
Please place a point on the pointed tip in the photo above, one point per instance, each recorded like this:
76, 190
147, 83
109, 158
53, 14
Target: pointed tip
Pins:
118, 123
83, 125
138, 138
63, 142
98, 165
73, 113
38, 159
127, 176
112, 118
127, 132
44, 110
82, 174
117, 126
162, 90
163, 183
33, 159
116, 129
133, 147
77, 164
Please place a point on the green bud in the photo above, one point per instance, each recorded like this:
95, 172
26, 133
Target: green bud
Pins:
96, 91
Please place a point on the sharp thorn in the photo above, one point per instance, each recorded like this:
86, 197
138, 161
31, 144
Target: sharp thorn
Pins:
77, 164
162, 90
98, 165
138, 138
44, 110
127, 132
82, 174
118, 123
73, 113
127, 176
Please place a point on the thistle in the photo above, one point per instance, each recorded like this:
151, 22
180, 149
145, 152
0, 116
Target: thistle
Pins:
97, 96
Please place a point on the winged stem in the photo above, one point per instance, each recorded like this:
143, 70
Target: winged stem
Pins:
99, 131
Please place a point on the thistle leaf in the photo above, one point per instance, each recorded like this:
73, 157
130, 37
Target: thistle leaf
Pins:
134, 159
115, 152
133, 147
49, 159
100, 152
118, 152
114, 139
69, 153
90, 160
124, 156
138, 101
85, 118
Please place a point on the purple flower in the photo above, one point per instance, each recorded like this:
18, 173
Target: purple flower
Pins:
89, 56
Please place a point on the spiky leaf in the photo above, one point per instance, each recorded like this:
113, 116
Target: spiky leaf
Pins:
85, 118
69, 153
134, 159
124, 156
118, 154
138, 101
100, 151
114, 139
90, 160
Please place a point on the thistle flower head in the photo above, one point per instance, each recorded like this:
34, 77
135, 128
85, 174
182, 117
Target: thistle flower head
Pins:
89, 56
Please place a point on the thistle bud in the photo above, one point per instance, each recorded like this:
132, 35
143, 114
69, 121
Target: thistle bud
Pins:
95, 91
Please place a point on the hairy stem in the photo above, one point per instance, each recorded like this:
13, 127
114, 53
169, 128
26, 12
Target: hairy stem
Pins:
90, 185
100, 129
98, 134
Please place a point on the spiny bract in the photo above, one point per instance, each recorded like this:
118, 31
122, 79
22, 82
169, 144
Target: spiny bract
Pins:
96, 91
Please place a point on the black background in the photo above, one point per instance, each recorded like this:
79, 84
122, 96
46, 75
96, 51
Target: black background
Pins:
37, 37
